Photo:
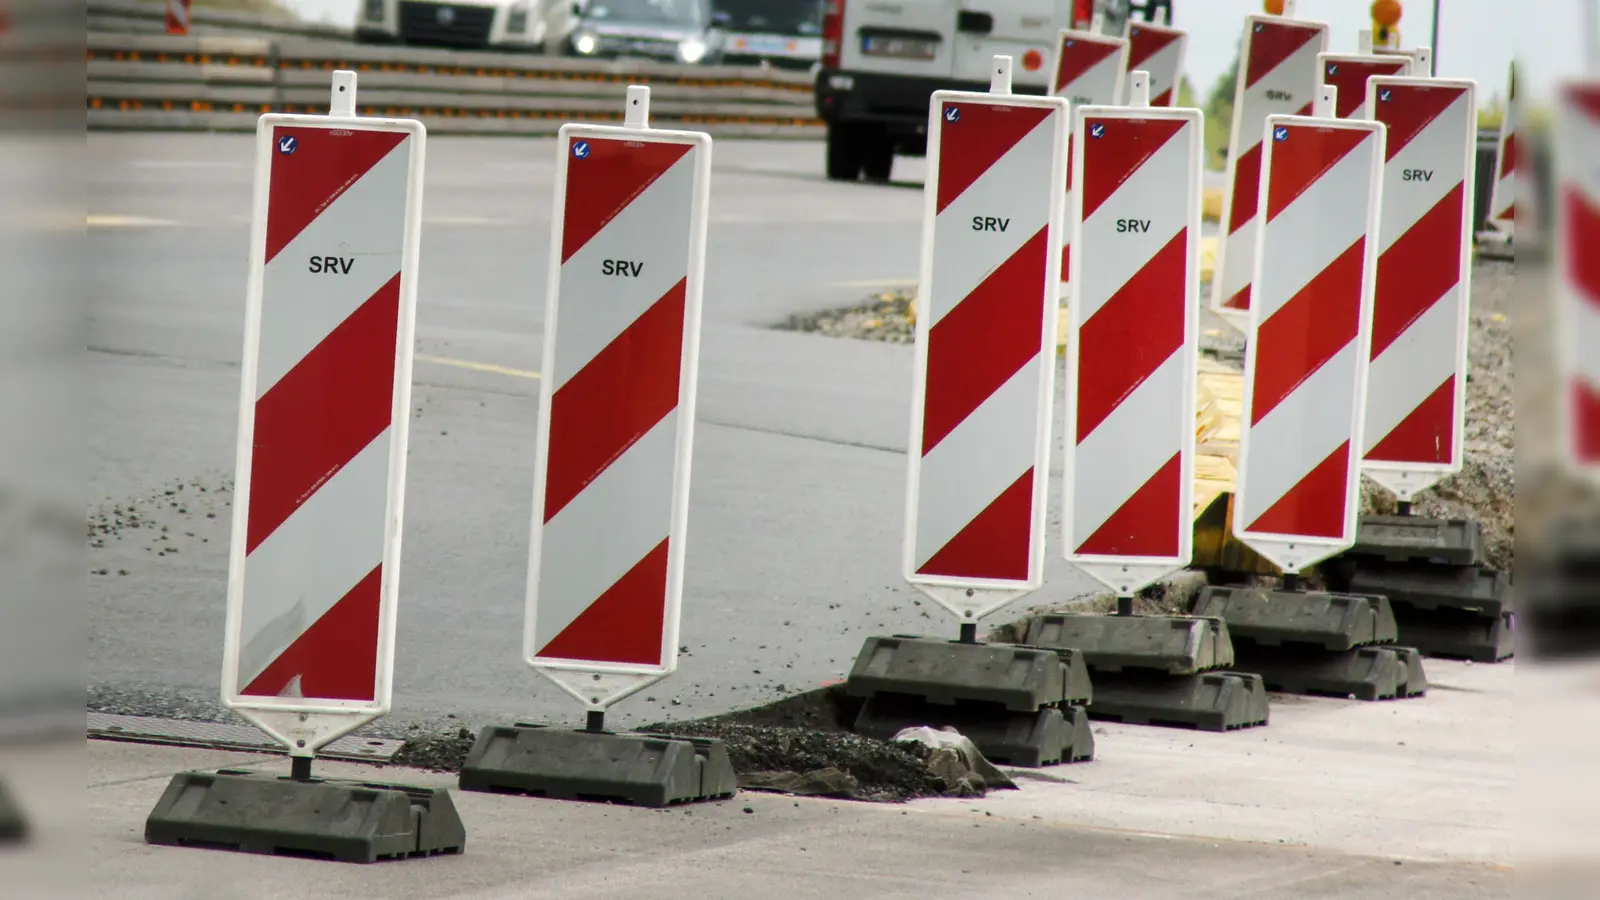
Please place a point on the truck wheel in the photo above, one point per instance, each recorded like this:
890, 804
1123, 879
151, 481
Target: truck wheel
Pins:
844, 153
878, 159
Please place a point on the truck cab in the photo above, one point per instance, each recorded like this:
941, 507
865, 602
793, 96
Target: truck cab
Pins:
683, 31
883, 59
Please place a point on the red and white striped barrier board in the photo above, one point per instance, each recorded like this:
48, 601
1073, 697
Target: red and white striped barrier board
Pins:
313, 573
178, 16
1349, 73
1421, 58
1277, 75
1159, 50
1309, 337
1132, 343
985, 351
1577, 147
1416, 386
1089, 68
616, 409
1089, 71
1503, 196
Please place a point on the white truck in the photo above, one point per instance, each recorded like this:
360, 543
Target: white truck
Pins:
458, 24
883, 59
683, 31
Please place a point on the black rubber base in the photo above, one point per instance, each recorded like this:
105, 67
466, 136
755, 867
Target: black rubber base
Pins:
638, 769
1176, 645
1455, 634
1021, 679
1365, 673
1209, 701
1416, 683
1026, 740
1272, 618
347, 821
13, 827
1451, 542
1485, 592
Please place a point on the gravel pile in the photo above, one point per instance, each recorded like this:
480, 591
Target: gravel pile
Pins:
886, 317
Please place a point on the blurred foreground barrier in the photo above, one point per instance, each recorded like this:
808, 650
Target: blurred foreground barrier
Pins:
147, 17
158, 82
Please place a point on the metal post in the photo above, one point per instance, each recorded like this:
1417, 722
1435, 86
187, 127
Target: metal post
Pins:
300, 768
1291, 581
1125, 606
1403, 508
969, 632
1435, 42
596, 722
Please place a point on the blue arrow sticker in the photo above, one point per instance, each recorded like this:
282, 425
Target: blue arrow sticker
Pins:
580, 149
1071, 43
1385, 95
1280, 133
287, 145
952, 114
1097, 131
1333, 68
1260, 28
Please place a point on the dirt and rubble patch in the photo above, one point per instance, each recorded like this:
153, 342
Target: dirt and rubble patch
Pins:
885, 317
800, 745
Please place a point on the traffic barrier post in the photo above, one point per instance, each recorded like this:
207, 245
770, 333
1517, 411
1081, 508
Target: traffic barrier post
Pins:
313, 578
980, 428
612, 463
1503, 197
1348, 74
1277, 76
1160, 50
178, 17
1577, 197
1089, 72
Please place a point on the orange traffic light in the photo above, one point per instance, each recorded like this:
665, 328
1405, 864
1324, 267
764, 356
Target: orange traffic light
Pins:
1274, 7
1386, 13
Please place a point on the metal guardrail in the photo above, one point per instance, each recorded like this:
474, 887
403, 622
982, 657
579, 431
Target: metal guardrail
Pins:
162, 82
147, 17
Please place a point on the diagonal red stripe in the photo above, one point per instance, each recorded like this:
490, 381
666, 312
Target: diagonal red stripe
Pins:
971, 145
1144, 43
327, 409
1303, 157
1246, 189
1509, 213
1239, 300
614, 400
624, 624
1585, 422
1273, 42
606, 180
1163, 99
1078, 56
977, 346
1350, 77
1314, 325
1148, 523
1132, 334
1583, 98
1121, 150
1426, 435
995, 543
1315, 506
1411, 108
324, 164
337, 657
1418, 269
1583, 236
1508, 157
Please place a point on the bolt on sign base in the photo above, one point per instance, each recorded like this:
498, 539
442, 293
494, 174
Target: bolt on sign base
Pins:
13, 827
346, 821
1208, 701
1048, 737
638, 769
1171, 645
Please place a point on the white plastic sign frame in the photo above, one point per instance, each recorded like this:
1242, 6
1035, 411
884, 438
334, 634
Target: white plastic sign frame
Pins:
971, 599
596, 684
306, 724
1406, 480
1577, 318
1293, 553
1128, 574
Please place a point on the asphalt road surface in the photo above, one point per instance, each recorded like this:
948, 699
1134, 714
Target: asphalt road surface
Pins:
798, 484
